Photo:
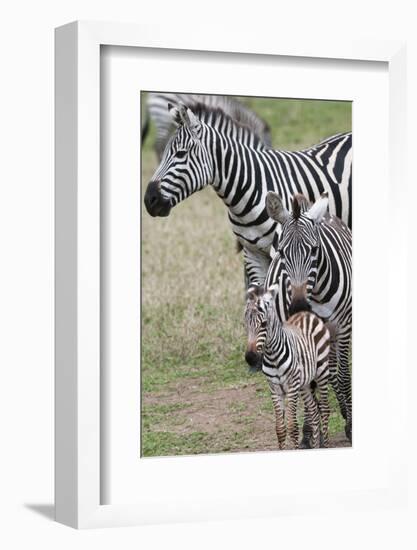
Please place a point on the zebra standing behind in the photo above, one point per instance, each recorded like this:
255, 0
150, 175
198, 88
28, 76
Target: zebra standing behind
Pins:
157, 111
292, 355
314, 258
210, 148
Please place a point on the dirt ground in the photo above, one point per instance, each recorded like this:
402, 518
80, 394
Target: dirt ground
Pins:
234, 419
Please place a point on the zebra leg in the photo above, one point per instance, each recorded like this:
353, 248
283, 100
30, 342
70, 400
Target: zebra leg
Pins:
256, 266
291, 416
307, 430
344, 380
307, 427
278, 403
310, 403
324, 409
333, 377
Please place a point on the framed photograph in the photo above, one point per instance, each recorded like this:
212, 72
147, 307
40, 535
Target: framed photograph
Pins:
209, 194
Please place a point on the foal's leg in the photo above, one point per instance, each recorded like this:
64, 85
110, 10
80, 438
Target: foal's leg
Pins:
310, 403
291, 416
307, 430
278, 402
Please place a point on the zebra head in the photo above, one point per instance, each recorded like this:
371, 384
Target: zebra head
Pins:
258, 302
298, 245
185, 166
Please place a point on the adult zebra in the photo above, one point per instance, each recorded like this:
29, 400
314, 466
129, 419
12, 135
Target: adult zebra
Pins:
209, 147
312, 269
157, 110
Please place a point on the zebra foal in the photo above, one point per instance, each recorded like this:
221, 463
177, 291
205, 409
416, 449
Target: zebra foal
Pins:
292, 355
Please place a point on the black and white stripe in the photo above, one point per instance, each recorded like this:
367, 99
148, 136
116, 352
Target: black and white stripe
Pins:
157, 110
210, 148
292, 355
313, 267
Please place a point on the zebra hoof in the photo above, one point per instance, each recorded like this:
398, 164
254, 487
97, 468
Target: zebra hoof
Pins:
305, 444
348, 431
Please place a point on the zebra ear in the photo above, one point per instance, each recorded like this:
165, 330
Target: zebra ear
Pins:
174, 111
182, 115
192, 120
276, 210
319, 208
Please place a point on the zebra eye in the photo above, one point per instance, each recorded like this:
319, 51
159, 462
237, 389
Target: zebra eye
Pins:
314, 249
181, 154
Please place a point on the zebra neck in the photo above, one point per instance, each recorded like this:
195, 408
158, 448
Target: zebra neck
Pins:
238, 177
275, 334
331, 278
280, 350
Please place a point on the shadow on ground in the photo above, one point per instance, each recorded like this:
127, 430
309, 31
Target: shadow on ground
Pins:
45, 510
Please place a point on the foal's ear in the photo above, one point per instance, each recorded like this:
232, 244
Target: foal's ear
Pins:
272, 291
276, 210
184, 116
319, 208
253, 292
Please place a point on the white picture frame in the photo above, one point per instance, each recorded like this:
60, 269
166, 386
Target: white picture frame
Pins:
78, 411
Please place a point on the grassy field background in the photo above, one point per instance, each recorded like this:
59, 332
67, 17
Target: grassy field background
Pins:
197, 394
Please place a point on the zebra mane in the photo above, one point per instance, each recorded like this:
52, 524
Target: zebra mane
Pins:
217, 118
300, 204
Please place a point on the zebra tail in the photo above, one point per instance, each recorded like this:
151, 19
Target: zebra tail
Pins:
239, 247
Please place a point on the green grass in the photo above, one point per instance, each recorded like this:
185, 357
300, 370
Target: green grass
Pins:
297, 124
197, 395
167, 443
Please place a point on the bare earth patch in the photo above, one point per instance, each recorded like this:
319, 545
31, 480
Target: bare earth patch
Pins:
235, 418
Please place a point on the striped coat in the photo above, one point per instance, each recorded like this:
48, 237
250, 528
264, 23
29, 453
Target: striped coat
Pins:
157, 110
210, 148
312, 267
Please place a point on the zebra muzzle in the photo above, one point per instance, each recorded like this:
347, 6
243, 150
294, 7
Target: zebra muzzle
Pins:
299, 300
155, 203
254, 360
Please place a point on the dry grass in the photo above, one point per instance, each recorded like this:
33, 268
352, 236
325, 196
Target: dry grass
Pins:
192, 280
